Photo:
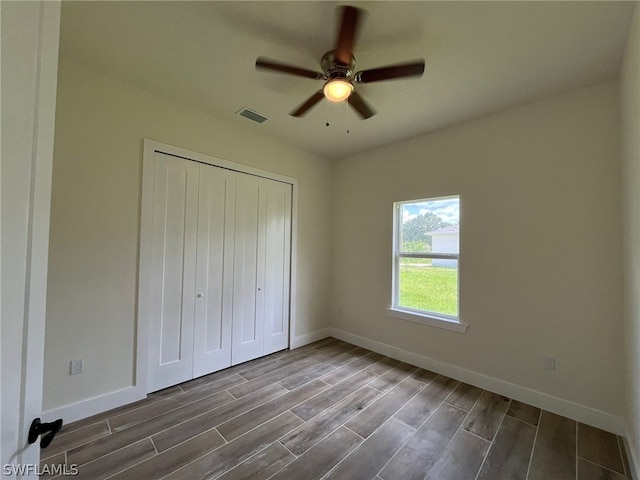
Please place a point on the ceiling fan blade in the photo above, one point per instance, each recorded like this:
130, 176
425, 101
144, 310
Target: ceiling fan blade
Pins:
360, 106
266, 64
347, 34
310, 102
412, 69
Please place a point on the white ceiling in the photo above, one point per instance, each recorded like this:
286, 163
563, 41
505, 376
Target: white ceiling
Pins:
481, 57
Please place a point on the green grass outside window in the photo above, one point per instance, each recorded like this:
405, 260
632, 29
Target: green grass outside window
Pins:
424, 287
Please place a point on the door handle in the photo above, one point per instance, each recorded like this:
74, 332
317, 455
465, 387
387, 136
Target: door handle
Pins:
47, 430
199, 295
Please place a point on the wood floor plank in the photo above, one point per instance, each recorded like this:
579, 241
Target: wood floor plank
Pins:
77, 439
461, 459
293, 356
72, 427
166, 392
53, 466
128, 419
328, 341
241, 424
591, 471
599, 447
484, 419
262, 465
113, 463
523, 412
272, 377
419, 408
369, 458
307, 435
424, 376
385, 364
464, 396
321, 458
207, 379
414, 460
160, 465
104, 445
342, 373
228, 456
333, 395
178, 433
310, 374
349, 356
510, 452
257, 369
554, 452
393, 377
326, 354
195, 394
367, 421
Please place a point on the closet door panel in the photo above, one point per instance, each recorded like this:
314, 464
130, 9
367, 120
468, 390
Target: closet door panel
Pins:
173, 274
248, 282
277, 266
214, 276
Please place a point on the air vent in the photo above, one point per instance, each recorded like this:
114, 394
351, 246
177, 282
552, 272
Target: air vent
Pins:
251, 115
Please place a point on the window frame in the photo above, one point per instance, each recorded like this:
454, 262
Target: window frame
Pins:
427, 317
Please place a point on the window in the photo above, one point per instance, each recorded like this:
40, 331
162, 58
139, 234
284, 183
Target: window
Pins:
426, 260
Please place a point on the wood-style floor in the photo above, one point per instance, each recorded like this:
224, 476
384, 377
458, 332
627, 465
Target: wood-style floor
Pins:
332, 410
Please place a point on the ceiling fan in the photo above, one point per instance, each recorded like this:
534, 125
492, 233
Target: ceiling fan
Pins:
338, 70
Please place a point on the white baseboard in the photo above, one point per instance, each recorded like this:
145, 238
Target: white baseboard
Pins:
307, 338
575, 411
92, 406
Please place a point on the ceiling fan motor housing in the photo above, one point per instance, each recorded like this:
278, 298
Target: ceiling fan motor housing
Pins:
338, 67
332, 69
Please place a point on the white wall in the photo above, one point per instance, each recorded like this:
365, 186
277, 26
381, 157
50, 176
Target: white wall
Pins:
630, 109
91, 305
540, 255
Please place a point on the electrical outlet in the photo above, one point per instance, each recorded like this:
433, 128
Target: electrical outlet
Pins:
76, 367
549, 362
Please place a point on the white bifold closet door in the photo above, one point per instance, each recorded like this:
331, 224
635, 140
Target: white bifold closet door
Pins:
277, 267
173, 261
261, 268
248, 269
220, 269
214, 270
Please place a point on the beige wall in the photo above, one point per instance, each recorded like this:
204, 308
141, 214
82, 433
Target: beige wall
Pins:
91, 304
630, 109
540, 255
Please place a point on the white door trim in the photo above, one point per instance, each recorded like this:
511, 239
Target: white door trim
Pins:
150, 148
30, 37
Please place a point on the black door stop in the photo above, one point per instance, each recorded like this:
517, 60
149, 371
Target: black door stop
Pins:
47, 430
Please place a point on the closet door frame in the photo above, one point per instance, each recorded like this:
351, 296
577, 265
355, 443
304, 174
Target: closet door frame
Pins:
151, 147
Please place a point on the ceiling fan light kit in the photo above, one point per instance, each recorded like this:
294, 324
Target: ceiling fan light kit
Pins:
338, 70
337, 89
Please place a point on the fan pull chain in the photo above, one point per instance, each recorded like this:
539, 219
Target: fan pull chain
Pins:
347, 104
326, 111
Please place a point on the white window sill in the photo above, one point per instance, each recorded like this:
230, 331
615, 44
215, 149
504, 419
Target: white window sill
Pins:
428, 319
